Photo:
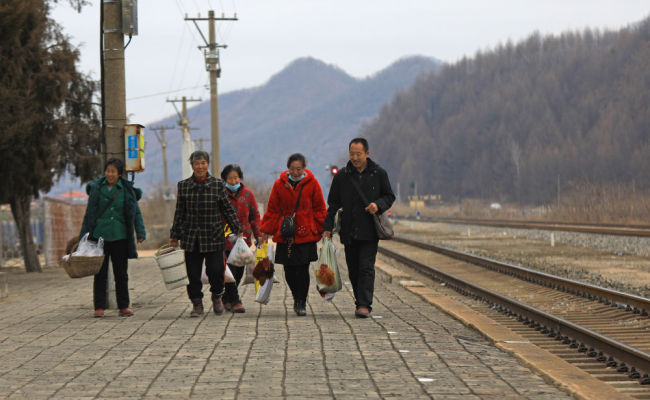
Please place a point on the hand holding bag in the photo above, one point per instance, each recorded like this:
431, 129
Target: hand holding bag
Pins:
383, 226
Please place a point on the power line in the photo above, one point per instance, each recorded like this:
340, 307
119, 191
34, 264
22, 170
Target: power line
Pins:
163, 93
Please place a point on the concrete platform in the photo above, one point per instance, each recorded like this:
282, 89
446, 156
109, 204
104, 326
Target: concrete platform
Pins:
50, 347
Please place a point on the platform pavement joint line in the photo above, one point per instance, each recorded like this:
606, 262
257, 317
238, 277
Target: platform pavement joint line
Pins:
571, 378
51, 347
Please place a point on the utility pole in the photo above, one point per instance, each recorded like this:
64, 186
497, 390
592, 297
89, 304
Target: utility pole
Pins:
200, 142
187, 146
212, 65
114, 100
160, 135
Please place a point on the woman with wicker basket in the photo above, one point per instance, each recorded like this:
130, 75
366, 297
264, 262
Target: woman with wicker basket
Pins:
114, 215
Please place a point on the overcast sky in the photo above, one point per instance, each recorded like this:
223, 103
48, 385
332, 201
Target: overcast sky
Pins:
360, 36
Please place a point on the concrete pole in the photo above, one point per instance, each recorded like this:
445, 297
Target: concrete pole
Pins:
214, 102
114, 98
163, 145
187, 145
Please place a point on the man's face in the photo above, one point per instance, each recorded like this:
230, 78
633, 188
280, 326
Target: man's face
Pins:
200, 168
358, 156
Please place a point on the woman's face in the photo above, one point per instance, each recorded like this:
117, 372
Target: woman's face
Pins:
200, 168
233, 178
111, 174
296, 169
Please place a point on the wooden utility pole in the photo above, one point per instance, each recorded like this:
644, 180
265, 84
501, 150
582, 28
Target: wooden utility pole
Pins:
211, 53
160, 135
114, 88
187, 146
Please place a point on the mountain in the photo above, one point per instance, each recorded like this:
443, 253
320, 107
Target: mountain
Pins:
515, 123
309, 107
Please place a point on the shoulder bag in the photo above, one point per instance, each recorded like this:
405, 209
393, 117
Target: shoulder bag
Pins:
383, 226
288, 225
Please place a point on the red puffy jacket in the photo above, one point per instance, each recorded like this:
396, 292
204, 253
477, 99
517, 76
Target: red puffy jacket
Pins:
282, 202
245, 207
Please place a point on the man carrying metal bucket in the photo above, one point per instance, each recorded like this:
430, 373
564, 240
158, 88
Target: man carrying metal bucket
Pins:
201, 201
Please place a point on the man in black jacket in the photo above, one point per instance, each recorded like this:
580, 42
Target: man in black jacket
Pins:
358, 233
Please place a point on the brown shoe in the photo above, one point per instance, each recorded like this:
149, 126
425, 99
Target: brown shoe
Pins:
99, 313
227, 306
238, 308
362, 312
197, 309
126, 312
217, 305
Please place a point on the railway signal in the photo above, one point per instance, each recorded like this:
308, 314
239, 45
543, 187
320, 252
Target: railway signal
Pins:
334, 170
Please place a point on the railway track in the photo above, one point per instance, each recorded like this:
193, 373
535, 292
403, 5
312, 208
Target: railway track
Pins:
602, 331
603, 229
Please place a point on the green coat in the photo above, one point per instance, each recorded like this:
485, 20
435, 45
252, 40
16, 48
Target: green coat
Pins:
132, 214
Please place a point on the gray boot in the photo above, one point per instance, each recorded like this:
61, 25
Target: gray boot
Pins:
197, 311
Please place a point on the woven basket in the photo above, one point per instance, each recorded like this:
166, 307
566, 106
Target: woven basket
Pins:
81, 266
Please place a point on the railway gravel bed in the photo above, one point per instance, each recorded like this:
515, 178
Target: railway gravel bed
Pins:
617, 262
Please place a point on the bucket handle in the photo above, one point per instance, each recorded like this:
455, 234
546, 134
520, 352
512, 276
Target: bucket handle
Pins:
164, 246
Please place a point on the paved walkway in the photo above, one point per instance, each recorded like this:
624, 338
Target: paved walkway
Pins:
50, 347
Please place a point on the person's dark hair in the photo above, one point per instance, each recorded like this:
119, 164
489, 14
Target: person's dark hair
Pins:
117, 163
358, 140
229, 168
199, 154
297, 157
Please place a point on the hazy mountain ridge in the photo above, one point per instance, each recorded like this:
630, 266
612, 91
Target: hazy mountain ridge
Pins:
309, 107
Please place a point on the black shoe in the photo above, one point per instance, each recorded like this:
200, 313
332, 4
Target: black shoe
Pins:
299, 306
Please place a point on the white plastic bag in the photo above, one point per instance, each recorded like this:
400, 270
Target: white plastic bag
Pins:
88, 248
264, 292
229, 276
248, 274
240, 254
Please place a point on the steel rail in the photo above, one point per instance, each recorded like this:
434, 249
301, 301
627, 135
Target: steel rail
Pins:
630, 302
602, 229
556, 326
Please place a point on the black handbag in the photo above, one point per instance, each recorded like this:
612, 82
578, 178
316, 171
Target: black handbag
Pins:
288, 224
383, 226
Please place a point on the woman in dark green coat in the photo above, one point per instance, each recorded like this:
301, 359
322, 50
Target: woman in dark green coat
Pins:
114, 215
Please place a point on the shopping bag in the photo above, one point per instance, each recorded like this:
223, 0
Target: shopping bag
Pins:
248, 275
264, 291
327, 268
229, 277
264, 268
240, 254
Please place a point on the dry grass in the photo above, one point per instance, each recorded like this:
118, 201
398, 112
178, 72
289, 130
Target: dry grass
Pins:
584, 203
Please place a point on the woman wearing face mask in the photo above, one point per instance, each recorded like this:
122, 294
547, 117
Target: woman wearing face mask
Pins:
114, 215
296, 185
245, 206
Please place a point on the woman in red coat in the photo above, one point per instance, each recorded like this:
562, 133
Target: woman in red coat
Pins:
245, 206
296, 252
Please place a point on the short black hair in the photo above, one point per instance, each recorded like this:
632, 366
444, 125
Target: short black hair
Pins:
229, 168
199, 154
117, 163
297, 157
361, 140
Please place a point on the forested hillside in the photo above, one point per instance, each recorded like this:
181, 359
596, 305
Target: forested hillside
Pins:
506, 123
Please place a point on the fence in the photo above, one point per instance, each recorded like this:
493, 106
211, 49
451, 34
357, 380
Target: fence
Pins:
54, 222
61, 220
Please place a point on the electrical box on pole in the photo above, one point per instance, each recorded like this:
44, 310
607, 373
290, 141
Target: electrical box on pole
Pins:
130, 17
134, 147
